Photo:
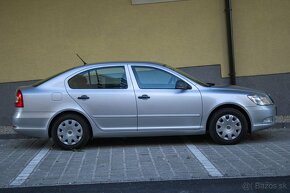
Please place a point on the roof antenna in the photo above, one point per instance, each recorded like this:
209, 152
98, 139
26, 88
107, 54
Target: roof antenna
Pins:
81, 59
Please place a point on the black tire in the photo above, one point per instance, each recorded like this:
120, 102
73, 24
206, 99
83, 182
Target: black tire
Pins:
70, 131
228, 126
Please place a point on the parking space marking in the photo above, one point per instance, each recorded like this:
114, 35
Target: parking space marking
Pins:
25, 173
210, 168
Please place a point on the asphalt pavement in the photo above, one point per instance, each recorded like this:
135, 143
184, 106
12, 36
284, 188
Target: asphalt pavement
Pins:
236, 185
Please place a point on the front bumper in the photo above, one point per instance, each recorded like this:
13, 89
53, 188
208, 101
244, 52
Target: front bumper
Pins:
262, 117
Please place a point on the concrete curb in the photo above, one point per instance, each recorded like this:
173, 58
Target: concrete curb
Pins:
7, 132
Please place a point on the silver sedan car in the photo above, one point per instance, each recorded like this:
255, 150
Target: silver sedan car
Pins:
124, 99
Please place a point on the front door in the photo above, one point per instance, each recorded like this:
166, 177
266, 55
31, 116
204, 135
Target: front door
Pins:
160, 105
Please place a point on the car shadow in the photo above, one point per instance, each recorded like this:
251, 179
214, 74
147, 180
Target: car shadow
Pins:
142, 141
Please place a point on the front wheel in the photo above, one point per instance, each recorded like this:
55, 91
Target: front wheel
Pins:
70, 131
228, 126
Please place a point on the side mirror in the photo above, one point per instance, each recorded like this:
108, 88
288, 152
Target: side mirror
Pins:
180, 84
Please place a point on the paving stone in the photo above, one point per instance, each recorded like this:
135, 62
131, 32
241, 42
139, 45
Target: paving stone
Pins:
265, 153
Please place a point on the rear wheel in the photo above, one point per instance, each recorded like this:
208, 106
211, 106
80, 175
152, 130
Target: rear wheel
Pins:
70, 131
228, 126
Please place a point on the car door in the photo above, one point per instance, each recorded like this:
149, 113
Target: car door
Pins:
160, 105
107, 96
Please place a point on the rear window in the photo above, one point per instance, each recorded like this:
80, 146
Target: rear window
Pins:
100, 78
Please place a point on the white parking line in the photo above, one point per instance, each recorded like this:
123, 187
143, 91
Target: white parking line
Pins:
25, 173
213, 171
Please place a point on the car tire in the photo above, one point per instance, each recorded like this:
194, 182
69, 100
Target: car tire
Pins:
228, 126
70, 131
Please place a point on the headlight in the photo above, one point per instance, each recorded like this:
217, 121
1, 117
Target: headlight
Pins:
260, 99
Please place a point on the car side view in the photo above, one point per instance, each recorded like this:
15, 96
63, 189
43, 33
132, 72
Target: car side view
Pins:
130, 99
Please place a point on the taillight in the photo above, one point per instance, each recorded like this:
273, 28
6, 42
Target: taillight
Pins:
19, 99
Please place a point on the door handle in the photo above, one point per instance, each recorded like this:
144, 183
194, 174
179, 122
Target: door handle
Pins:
144, 97
83, 97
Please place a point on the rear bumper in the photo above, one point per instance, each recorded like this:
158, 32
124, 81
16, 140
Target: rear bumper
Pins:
31, 124
262, 117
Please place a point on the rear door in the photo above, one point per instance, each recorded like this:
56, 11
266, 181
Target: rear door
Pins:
160, 105
106, 94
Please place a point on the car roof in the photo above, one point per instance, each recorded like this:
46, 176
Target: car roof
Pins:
125, 62
68, 72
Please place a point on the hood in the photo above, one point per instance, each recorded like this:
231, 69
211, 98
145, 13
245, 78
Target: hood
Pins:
236, 89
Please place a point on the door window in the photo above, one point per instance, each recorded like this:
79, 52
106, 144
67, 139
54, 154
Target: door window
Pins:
100, 78
153, 78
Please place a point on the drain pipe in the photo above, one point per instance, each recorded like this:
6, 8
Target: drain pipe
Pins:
230, 41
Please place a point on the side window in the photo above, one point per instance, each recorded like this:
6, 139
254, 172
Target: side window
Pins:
100, 78
153, 78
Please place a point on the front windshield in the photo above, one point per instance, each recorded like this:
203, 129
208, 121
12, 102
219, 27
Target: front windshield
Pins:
188, 76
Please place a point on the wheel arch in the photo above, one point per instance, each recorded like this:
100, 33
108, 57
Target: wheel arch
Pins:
68, 112
234, 106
